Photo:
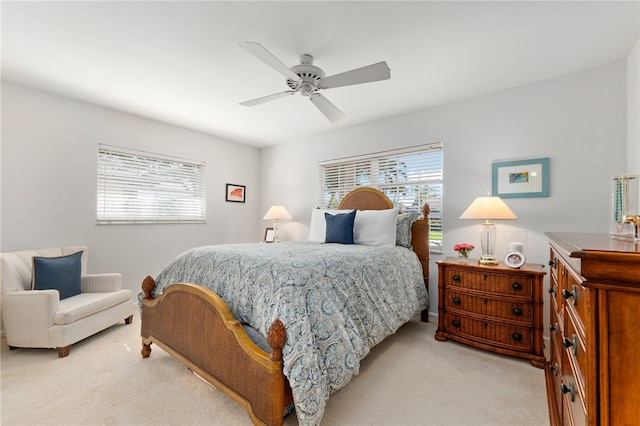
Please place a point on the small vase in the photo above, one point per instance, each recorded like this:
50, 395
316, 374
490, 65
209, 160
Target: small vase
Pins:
462, 258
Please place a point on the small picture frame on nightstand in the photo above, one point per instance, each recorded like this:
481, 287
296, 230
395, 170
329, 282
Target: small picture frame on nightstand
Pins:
269, 235
514, 259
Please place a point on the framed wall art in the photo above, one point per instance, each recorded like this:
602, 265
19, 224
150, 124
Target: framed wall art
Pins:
520, 178
235, 193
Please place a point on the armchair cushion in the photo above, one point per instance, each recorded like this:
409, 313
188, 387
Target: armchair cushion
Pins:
61, 273
87, 304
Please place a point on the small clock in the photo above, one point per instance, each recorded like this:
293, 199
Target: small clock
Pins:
514, 259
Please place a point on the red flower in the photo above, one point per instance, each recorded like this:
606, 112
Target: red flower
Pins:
464, 249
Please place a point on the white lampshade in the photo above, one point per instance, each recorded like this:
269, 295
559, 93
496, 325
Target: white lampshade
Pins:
487, 208
277, 212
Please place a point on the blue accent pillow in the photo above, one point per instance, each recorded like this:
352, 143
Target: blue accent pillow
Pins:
58, 273
340, 227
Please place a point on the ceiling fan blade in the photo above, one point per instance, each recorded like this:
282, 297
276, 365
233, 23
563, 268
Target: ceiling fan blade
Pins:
327, 108
368, 74
264, 99
265, 56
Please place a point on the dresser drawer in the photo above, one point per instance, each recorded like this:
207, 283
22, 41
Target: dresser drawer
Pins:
512, 310
555, 296
506, 284
555, 366
575, 296
489, 332
574, 344
574, 412
555, 336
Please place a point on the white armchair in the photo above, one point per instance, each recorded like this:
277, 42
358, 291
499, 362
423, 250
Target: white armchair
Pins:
40, 319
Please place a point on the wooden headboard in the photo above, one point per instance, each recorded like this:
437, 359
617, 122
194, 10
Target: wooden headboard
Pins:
366, 198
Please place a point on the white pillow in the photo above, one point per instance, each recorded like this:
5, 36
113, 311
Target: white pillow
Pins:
375, 227
318, 228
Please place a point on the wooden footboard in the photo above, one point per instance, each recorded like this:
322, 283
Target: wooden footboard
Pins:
194, 325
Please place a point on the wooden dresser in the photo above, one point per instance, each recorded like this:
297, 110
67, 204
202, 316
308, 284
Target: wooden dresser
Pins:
593, 376
496, 308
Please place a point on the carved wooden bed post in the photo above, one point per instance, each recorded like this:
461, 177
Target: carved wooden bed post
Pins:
421, 246
148, 285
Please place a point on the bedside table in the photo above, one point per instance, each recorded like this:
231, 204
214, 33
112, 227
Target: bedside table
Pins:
492, 307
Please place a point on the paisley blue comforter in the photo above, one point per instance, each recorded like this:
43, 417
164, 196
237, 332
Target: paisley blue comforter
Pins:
336, 301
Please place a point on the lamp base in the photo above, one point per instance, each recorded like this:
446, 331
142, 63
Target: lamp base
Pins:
488, 260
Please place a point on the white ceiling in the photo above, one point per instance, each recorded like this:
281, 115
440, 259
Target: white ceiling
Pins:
179, 62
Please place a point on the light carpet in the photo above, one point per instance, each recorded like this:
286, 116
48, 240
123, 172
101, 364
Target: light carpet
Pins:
409, 379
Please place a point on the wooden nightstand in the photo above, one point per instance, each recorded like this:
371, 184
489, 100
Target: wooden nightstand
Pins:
496, 308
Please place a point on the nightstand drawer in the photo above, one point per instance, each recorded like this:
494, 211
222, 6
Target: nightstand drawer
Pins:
506, 284
489, 332
512, 310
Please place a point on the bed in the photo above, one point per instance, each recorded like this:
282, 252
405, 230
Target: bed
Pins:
270, 324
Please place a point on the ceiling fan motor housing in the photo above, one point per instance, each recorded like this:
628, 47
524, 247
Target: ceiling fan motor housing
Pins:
309, 75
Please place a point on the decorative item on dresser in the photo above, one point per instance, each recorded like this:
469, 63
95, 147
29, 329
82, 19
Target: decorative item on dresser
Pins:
625, 206
593, 376
496, 308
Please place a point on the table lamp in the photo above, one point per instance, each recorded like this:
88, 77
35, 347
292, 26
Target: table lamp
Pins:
276, 213
488, 208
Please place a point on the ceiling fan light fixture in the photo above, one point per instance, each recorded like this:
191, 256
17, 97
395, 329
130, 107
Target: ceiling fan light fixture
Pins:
308, 79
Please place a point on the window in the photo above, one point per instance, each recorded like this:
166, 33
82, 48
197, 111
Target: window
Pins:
141, 187
409, 177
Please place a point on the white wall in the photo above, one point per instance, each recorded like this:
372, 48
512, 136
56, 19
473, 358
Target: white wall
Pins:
578, 121
633, 110
49, 160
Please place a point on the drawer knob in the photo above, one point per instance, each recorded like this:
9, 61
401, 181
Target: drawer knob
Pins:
569, 389
571, 294
456, 278
457, 300
517, 337
456, 323
552, 290
516, 286
551, 262
553, 367
554, 327
571, 344
517, 311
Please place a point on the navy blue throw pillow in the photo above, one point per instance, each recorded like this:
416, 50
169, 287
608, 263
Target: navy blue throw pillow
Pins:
340, 227
58, 273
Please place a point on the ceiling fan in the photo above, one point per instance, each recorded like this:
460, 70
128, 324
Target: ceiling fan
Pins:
308, 79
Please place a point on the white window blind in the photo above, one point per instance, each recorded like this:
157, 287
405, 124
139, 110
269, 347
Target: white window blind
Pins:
141, 187
409, 177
